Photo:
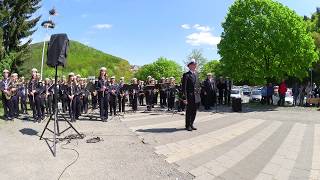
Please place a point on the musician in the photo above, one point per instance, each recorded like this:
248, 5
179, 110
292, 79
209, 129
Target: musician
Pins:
209, 91
74, 97
23, 92
163, 95
149, 78
14, 95
63, 87
4, 86
121, 96
191, 92
34, 96
171, 93
141, 93
48, 96
103, 95
156, 94
114, 92
133, 93
94, 95
84, 95
149, 92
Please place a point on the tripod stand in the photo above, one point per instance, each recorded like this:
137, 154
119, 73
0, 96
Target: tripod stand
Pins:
54, 117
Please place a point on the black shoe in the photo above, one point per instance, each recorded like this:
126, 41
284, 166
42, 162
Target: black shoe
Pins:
189, 129
193, 128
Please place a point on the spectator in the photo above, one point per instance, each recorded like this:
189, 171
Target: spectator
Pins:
264, 94
302, 94
309, 90
270, 92
282, 93
295, 93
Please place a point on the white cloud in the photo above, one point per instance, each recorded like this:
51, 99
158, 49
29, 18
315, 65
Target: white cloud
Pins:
201, 28
102, 26
203, 38
185, 26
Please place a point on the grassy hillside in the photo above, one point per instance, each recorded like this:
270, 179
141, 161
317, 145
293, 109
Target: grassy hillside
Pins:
81, 59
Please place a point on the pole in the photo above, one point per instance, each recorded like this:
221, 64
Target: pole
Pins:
42, 59
55, 96
311, 79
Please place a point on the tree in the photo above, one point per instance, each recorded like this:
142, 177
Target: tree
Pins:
214, 67
265, 41
198, 56
163, 67
17, 23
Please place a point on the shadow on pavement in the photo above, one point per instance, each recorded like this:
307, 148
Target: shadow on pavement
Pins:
161, 130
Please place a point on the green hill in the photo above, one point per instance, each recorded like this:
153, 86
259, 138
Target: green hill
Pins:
81, 59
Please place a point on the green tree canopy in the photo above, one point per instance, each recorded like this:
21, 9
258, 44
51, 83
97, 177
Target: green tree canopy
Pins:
18, 23
264, 40
198, 56
214, 67
163, 67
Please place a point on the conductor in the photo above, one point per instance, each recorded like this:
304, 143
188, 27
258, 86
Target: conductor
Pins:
191, 93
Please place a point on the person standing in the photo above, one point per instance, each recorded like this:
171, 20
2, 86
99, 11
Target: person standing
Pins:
163, 93
4, 86
141, 93
114, 91
227, 91
209, 87
270, 92
14, 95
103, 95
23, 96
221, 87
121, 96
133, 92
191, 91
74, 98
295, 93
282, 93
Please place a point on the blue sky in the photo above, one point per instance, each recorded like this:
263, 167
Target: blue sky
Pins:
143, 30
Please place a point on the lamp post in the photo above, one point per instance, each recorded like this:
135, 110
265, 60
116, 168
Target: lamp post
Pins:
49, 24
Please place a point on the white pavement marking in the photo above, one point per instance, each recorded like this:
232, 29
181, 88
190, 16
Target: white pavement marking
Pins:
315, 168
283, 161
188, 147
221, 164
176, 124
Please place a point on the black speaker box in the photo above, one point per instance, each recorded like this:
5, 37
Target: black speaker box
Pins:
57, 50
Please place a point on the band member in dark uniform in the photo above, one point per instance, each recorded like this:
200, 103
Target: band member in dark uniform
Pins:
103, 95
141, 93
63, 87
4, 86
74, 98
191, 90
23, 91
84, 96
209, 91
121, 96
114, 91
14, 95
133, 93
171, 93
163, 94
149, 92
48, 95
94, 96
34, 96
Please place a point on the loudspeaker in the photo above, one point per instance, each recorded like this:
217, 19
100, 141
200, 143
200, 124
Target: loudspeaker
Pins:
57, 50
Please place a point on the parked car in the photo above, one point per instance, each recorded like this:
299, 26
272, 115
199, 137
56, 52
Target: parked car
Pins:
255, 96
246, 92
236, 93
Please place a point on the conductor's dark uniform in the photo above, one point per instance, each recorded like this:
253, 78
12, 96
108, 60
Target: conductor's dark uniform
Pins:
191, 91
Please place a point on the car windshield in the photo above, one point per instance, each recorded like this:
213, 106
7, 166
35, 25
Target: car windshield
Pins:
234, 91
256, 92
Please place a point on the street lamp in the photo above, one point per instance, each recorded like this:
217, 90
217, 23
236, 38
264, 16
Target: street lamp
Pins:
49, 24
